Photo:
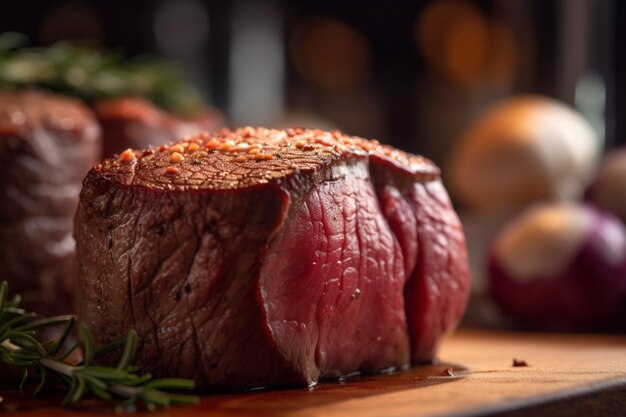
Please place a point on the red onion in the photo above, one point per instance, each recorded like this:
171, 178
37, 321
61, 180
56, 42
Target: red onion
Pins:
561, 266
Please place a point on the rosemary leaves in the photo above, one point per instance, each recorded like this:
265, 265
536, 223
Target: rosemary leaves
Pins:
22, 349
90, 74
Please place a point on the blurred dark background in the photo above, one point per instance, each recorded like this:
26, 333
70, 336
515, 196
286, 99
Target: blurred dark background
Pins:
411, 73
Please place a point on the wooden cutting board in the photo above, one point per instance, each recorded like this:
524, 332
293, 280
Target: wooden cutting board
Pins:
582, 374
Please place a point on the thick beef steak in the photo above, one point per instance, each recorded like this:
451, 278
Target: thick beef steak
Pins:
133, 122
259, 257
47, 145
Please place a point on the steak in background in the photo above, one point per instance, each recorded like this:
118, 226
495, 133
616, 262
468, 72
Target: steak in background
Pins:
259, 257
47, 145
134, 122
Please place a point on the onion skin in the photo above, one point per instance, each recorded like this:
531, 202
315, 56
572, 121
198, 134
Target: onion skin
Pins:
588, 294
608, 189
522, 150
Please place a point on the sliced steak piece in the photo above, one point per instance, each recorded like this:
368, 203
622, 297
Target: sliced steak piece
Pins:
259, 257
419, 211
133, 122
47, 145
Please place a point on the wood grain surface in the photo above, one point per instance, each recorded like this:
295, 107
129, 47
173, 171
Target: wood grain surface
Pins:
565, 373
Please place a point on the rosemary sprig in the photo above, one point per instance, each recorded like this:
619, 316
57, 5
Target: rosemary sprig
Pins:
91, 74
21, 348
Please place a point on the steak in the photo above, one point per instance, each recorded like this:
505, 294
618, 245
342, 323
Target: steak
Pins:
47, 145
259, 257
133, 122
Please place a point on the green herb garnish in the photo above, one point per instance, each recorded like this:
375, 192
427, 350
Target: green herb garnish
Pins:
21, 348
77, 70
